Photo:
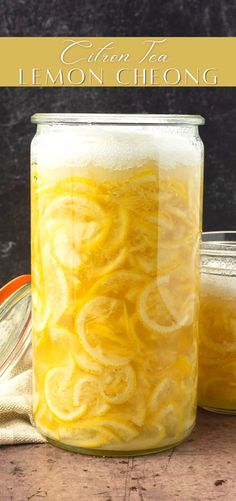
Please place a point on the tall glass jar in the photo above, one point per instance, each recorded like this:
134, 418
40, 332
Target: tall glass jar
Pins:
116, 221
217, 326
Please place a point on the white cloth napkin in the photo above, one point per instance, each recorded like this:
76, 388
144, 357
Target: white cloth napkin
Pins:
16, 419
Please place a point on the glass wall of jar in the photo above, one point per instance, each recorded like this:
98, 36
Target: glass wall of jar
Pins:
116, 220
217, 349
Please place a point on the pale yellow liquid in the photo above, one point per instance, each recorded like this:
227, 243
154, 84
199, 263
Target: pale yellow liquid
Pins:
115, 292
217, 348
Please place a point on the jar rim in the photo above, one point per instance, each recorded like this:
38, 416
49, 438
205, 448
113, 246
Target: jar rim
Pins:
116, 119
218, 253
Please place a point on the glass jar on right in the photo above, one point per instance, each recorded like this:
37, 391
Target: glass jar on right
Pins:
217, 326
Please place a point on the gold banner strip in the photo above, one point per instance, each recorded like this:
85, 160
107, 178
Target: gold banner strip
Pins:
118, 62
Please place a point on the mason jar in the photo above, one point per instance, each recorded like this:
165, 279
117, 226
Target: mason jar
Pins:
116, 223
217, 329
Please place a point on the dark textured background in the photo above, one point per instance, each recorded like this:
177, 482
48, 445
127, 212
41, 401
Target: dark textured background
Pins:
112, 18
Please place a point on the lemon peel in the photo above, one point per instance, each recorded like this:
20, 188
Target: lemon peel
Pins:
118, 385
103, 307
149, 302
59, 396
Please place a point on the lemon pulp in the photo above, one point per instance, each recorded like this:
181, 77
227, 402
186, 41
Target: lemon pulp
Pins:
115, 287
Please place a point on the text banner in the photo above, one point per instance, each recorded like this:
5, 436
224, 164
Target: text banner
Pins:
118, 62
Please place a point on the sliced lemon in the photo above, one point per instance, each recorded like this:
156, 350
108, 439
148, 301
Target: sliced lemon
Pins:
120, 283
217, 324
134, 409
174, 208
171, 417
75, 207
74, 185
87, 435
106, 263
146, 230
60, 334
65, 251
136, 412
87, 392
70, 241
59, 395
164, 392
40, 313
153, 436
56, 347
135, 331
103, 311
153, 311
107, 333
184, 366
144, 242
118, 385
147, 262
178, 296
55, 291
118, 229
51, 294
86, 363
125, 430
141, 191
96, 299
147, 175
168, 261
81, 222
145, 185
103, 263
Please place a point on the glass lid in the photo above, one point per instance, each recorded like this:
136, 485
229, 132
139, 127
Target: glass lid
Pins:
15, 322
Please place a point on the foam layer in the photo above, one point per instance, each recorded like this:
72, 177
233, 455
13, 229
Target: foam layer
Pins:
218, 285
114, 147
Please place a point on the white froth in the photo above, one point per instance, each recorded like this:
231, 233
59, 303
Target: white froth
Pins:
113, 148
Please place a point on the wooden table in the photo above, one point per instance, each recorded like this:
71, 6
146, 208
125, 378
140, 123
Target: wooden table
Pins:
203, 468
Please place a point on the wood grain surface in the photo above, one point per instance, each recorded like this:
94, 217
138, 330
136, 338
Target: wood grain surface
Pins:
203, 468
